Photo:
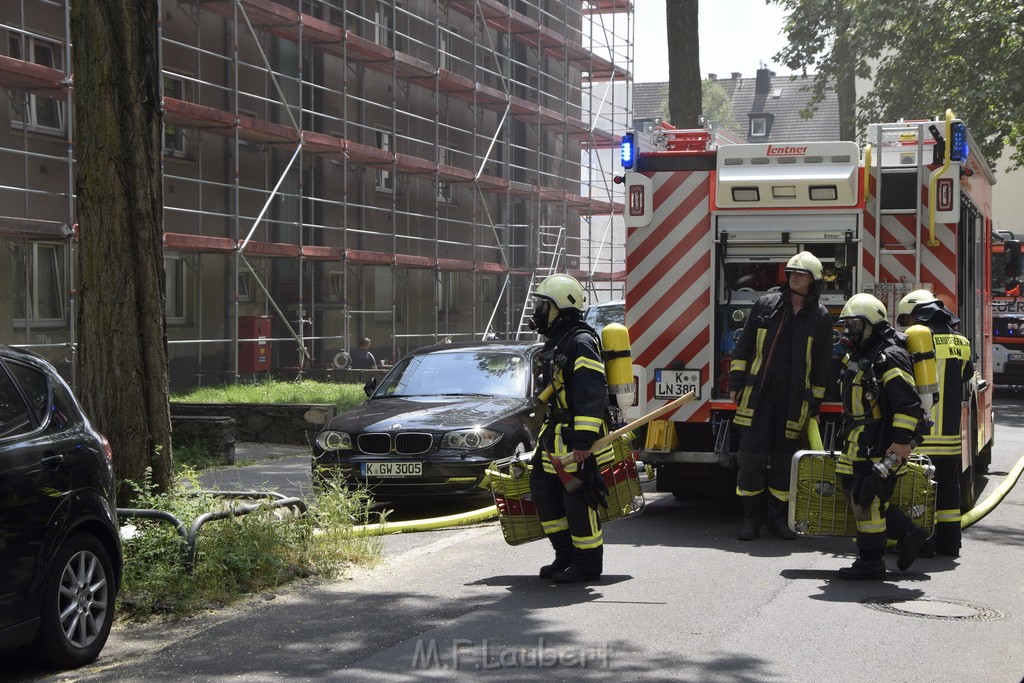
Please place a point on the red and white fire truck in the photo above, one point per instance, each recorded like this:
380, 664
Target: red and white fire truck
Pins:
710, 229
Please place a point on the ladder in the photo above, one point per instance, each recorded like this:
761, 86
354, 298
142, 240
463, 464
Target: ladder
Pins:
551, 251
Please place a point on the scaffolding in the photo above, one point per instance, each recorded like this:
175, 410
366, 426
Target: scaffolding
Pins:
337, 169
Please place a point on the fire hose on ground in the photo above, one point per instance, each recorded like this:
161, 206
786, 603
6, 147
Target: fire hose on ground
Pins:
490, 512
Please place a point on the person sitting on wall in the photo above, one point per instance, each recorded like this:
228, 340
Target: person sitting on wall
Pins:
362, 359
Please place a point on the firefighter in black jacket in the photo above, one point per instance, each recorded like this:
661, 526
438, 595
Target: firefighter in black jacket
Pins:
942, 441
882, 416
777, 379
575, 418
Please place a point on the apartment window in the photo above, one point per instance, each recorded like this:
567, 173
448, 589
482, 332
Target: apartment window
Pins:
335, 285
758, 126
36, 112
444, 59
175, 271
444, 189
384, 28
174, 138
385, 179
39, 283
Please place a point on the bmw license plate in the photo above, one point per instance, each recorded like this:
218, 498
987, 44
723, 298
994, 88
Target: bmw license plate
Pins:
671, 384
392, 469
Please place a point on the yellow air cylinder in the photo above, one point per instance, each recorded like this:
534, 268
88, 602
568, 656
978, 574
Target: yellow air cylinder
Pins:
618, 364
926, 376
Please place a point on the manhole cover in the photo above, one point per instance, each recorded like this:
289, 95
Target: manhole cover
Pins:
934, 608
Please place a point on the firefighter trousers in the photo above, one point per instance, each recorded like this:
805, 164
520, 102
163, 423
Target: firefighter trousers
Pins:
877, 521
947, 504
765, 454
560, 511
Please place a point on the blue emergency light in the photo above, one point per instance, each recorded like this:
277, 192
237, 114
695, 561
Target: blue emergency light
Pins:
958, 147
628, 150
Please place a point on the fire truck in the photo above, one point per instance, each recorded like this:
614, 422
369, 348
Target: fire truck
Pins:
710, 229
1007, 310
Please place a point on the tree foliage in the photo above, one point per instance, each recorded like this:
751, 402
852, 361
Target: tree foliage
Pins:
122, 339
716, 107
921, 58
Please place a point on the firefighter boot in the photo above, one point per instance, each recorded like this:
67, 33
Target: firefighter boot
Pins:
778, 519
585, 568
753, 508
868, 567
910, 546
562, 542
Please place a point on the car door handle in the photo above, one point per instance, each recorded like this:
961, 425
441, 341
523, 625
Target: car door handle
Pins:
52, 460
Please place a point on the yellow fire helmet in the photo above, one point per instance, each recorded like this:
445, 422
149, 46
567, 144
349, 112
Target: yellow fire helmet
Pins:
564, 291
866, 307
911, 301
805, 262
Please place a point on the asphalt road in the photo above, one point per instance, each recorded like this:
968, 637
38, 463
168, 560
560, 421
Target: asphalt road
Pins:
681, 599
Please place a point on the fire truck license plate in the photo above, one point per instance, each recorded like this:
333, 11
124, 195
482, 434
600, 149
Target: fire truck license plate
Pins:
675, 383
392, 469
1015, 357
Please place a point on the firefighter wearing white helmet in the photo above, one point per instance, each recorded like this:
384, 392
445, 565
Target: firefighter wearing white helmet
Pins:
882, 415
575, 418
942, 440
777, 378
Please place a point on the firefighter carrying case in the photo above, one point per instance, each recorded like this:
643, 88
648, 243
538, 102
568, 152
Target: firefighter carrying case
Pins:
510, 484
817, 504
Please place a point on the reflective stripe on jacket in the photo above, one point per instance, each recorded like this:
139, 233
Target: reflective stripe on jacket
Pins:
955, 369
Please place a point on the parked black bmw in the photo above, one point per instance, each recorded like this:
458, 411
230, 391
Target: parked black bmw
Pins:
435, 421
60, 553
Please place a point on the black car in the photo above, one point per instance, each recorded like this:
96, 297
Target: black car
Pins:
435, 421
60, 552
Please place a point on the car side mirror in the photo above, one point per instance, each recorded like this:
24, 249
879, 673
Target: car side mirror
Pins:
369, 387
1011, 258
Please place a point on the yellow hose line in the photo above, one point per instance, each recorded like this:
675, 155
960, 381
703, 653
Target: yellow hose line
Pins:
461, 519
994, 498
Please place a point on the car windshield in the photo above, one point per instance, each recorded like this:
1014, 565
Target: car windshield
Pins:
476, 372
599, 315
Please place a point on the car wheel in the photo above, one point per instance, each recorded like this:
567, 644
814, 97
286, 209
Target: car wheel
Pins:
78, 604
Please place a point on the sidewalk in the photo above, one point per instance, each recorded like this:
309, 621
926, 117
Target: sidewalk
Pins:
248, 452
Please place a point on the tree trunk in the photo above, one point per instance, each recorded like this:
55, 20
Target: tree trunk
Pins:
684, 97
122, 353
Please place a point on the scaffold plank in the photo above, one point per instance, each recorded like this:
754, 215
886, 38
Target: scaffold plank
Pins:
22, 75
320, 253
607, 6
13, 227
271, 249
185, 242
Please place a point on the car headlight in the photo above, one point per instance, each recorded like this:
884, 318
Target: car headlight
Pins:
470, 439
330, 440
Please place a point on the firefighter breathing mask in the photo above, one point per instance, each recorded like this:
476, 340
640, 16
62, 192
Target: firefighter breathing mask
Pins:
855, 331
859, 317
544, 314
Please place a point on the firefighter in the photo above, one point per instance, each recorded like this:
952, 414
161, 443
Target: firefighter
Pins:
942, 441
576, 417
882, 416
777, 380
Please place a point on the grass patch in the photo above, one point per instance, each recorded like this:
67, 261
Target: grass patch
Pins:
238, 555
344, 396
194, 455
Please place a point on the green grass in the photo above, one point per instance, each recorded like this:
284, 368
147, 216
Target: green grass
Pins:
238, 555
344, 396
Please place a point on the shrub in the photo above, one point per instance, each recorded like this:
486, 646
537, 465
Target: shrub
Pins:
236, 555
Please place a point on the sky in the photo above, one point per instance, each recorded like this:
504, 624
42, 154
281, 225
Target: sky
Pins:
735, 35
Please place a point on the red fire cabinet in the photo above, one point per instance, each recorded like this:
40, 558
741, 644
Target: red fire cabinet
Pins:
253, 356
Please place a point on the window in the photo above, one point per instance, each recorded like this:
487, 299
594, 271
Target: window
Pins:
174, 139
14, 415
174, 269
444, 189
335, 285
444, 59
758, 126
39, 283
385, 179
383, 28
44, 114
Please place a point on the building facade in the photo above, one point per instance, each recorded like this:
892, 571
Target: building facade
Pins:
333, 169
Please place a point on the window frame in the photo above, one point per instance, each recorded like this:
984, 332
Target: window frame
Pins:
58, 260
762, 123
19, 46
180, 149
179, 287
385, 179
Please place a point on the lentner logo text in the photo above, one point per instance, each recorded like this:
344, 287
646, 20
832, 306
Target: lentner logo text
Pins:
785, 151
